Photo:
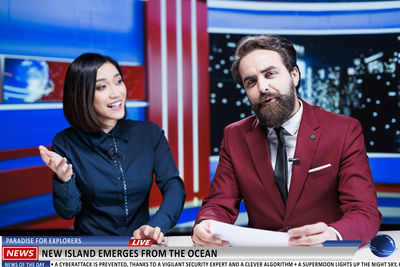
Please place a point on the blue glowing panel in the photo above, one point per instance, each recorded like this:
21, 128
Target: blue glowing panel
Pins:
279, 18
31, 128
66, 29
385, 170
26, 209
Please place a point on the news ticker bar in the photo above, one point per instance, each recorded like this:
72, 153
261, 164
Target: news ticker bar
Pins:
126, 248
200, 264
109, 241
156, 253
74, 241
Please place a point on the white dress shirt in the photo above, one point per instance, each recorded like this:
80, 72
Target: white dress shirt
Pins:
291, 128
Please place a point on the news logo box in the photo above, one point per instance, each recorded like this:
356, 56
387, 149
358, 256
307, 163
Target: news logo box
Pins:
20, 254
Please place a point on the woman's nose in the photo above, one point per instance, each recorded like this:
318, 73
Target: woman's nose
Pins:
114, 91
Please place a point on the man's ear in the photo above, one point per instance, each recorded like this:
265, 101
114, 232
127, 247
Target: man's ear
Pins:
295, 76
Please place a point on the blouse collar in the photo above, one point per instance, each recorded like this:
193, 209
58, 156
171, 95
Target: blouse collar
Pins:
120, 131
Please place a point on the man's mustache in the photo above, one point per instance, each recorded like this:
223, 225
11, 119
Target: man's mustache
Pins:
264, 96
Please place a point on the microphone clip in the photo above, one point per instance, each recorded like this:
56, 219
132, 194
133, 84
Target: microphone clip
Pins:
112, 153
294, 160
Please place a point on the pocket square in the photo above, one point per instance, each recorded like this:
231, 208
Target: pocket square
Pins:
319, 168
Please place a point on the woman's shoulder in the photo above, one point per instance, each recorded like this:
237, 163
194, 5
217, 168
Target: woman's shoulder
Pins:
67, 136
64, 134
64, 140
142, 125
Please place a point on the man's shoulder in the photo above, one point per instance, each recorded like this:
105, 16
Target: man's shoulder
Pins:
326, 117
243, 124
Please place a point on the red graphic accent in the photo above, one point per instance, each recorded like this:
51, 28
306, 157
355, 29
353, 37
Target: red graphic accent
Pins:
154, 84
133, 79
35, 180
57, 71
53, 222
20, 253
20, 153
134, 82
140, 242
388, 188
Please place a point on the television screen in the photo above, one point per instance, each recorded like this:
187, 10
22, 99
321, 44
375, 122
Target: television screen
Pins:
31, 110
356, 75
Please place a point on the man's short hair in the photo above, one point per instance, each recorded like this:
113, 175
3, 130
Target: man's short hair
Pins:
79, 88
267, 42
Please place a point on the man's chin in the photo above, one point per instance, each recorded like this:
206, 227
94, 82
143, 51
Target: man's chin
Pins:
271, 117
270, 123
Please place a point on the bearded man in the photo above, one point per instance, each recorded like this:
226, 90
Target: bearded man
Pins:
297, 167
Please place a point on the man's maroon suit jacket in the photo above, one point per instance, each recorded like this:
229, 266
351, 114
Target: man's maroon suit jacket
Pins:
342, 195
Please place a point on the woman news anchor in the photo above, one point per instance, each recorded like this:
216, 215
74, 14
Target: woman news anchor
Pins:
104, 164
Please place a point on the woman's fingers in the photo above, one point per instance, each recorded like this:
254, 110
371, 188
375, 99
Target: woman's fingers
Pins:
146, 231
43, 154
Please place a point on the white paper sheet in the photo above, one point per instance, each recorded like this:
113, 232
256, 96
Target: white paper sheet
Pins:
243, 236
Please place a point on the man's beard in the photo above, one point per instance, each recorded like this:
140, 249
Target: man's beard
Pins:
275, 114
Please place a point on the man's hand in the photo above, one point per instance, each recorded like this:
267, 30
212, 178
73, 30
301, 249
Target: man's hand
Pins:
56, 163
146, 231
202, 236
311, 235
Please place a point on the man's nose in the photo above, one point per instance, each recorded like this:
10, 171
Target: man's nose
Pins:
263, 85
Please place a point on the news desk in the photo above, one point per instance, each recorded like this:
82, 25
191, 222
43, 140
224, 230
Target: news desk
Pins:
362, 254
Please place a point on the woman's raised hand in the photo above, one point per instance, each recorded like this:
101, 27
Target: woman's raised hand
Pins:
57, 164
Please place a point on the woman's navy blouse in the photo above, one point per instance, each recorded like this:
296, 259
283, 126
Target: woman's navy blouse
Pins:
113, 174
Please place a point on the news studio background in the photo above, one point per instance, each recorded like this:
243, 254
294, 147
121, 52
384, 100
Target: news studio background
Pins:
176, 57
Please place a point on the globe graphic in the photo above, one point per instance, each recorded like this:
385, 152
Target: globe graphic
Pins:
25, 80
382, 245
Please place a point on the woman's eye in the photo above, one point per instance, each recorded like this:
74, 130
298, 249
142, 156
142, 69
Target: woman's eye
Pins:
100, 87
120, 81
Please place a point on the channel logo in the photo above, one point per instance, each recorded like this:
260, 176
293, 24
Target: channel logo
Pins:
20, 253
382, 246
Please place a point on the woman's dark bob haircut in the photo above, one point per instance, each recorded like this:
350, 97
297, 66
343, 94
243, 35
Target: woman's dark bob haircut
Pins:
79, 88
267, 42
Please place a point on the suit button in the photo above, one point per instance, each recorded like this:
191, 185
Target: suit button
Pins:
287, 228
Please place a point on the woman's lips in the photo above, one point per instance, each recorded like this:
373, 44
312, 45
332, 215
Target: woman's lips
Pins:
117, 105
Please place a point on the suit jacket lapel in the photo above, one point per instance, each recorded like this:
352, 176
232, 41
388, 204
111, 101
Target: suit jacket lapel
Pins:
257, 143
307, 142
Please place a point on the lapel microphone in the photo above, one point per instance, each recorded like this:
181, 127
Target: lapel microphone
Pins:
294, 160
111, 153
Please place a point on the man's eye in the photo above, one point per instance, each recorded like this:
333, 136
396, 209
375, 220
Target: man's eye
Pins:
250, 82
269, 74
